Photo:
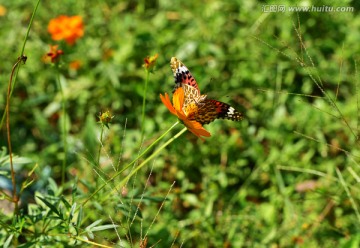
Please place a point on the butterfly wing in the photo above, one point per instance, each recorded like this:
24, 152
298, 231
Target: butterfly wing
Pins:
210, 110
183, 78
182, 75
192, 98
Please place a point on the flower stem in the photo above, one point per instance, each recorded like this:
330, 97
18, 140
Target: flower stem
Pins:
100, 146
126, 179
143, 106
30, 24
137, 158
63, 109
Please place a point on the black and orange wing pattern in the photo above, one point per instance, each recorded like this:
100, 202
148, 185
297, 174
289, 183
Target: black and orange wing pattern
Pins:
210, 110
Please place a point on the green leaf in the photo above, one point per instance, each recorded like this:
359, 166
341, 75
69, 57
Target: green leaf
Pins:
92, 225
67, 204
8, 241
79, 218
51, 206
72, 211
104, 227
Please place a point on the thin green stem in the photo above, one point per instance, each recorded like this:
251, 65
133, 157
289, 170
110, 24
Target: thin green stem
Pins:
144, 103
63, 110
131, 163
100, 145
28, 30
346, 188
21, 55
122, 183
94, 244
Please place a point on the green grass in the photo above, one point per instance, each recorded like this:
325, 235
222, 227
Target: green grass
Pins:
285, 176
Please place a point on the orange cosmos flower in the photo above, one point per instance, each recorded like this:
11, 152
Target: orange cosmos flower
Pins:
54, 55
177, 109
68, 28
150, 61
75, 65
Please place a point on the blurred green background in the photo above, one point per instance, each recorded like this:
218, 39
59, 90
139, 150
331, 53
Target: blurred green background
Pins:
268, 181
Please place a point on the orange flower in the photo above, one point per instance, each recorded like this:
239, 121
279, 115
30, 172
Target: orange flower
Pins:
3, 10
75, 65
68, 28
177, 109
150, 61
54, 55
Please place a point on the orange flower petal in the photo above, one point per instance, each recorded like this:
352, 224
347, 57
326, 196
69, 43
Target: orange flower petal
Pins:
75, 65
194, 125
200, 132
167, 103
203, 132
178, 99
176, 109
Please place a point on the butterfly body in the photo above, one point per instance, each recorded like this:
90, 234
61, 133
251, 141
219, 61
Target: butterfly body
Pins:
196, 106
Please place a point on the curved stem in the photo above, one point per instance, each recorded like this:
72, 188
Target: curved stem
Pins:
15, 197
21, 56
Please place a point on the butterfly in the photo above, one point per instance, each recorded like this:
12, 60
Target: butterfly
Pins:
196, 106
